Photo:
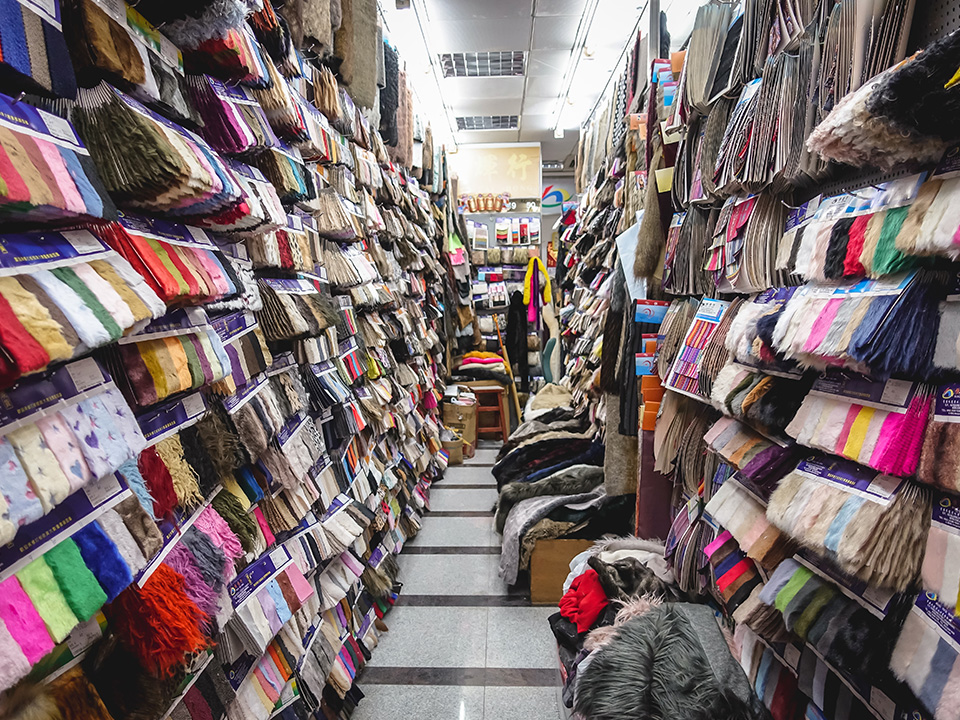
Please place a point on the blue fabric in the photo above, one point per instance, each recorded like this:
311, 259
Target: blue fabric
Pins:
940, 667
135, 481
102, 557
839, 524
249, 484
593, 456
763, 672
91, 199
283, 610
13, 37
727, 563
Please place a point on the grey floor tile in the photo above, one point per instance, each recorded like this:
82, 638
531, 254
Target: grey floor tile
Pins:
483, 455
520, 703
465, 475
519, 637
451, 574
389, 702
462, 499
433, 637
461, 532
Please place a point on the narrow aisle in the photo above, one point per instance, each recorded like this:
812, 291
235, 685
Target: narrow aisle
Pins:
460, 646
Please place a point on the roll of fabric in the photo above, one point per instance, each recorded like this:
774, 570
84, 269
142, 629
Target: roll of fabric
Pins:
37, 319
58, 436
85, 323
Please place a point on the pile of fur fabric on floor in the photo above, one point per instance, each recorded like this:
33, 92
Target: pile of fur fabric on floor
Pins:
551, 480
633, 648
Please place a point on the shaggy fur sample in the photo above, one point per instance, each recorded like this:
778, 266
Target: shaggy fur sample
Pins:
571, 481
672, 662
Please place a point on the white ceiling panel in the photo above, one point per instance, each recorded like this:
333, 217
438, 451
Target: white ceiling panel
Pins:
537, 122
547, 62
458, 89
466, 137
485, 106
541, 87
553, 33
538, 106
478, 9
480, 35
546, 8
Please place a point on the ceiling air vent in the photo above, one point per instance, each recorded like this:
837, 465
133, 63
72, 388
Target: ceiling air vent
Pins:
488, 122
483, 64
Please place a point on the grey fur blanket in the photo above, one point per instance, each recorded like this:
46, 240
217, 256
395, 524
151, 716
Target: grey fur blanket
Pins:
572, 480
524, 516
671, 662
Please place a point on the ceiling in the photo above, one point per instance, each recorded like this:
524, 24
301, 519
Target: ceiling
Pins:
546, 30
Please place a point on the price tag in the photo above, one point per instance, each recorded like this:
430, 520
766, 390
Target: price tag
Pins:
83, 241
882, 704
85, 374
198, 234
193, 405
278, 557
58, 127
101, 490
83, 636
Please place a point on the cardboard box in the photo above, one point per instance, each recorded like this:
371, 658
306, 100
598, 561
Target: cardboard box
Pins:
454, 450
549, 567
463, 419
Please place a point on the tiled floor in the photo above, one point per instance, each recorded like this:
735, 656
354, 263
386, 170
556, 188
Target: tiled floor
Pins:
461, 645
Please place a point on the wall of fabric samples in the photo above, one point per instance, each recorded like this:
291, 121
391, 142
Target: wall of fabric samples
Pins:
220, 321
772, 210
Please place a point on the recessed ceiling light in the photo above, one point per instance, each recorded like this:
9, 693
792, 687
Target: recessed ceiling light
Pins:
483, 64
488, 122
552, 165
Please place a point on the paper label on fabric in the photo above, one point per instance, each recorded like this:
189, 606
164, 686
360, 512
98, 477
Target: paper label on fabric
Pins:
235, 325
240, 669
60, 523
712, 310
99, 491
159, 422
949, 165
29, 397
241, 397
882, 704
946, 512
37, 250
851, 477
946, 406
49, 10
169, 232
256, 575
83, 636
891, 395
939, 617
290, 428
775, 295
876, 600
21, 117
291, 287
85, 374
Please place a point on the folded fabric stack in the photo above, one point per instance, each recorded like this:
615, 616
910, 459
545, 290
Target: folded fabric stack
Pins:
888, 441
53, 315
249, 356
285, 170
291, 309
890, 332
32, 46
180, 272
233, 123
773, 683
744, 518
260, 617
47, 459
286, 249
734, 574
157, 369
260, 209
765, 401
876, 534
47, 172
176, 173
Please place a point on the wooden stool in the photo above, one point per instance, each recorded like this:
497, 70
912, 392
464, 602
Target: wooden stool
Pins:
486, 410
